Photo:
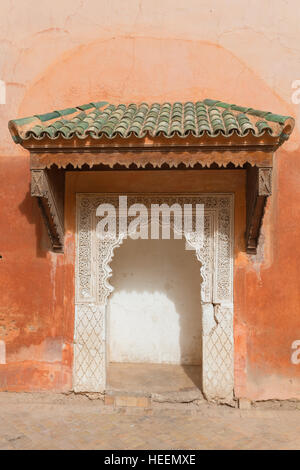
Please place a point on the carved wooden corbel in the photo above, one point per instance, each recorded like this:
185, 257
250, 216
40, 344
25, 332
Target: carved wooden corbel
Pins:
48, 187
259, 188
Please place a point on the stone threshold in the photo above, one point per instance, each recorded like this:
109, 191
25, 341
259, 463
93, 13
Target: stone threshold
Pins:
98, 399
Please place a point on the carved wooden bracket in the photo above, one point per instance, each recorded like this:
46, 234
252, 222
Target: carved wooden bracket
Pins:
48, 187
259, 187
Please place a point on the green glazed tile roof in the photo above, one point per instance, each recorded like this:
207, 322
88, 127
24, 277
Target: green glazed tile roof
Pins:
100, 119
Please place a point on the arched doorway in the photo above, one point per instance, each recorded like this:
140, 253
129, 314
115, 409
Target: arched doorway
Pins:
215, 257
154, 317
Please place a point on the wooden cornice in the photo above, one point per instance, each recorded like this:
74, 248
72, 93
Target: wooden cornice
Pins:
141, 157
48, 168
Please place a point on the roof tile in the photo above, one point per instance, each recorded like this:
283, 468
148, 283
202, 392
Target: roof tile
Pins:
100, 119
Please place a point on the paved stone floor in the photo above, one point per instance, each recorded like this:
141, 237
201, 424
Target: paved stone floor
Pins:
76, 422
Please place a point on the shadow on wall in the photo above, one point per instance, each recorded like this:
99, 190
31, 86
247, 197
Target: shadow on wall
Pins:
30, 209
154, 312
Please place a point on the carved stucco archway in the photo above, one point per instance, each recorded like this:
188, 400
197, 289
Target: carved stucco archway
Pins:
92, 273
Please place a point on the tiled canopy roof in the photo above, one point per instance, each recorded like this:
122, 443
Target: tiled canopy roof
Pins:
207, 117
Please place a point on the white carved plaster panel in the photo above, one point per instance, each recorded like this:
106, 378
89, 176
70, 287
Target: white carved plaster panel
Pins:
214, 253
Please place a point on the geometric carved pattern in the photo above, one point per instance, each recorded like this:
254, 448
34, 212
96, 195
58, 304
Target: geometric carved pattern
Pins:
92, 273
88, 360
38, 183
218, 352
264, 181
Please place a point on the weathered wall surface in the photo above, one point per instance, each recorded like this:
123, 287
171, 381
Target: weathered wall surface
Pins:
70, 52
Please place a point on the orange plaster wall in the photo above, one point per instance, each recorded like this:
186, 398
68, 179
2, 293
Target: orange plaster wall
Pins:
272, 295
70, 52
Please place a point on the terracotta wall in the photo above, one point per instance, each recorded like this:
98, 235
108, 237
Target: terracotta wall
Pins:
69, 52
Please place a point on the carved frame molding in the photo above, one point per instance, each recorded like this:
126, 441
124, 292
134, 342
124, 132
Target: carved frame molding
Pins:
92, 289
